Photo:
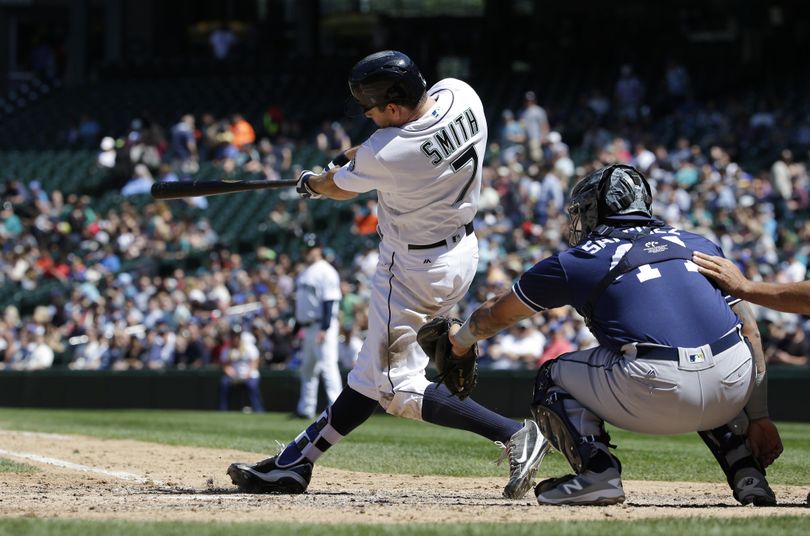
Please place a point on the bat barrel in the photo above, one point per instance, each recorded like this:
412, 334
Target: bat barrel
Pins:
181, 189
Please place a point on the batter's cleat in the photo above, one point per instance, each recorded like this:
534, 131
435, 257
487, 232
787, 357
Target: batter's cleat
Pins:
586, 489
752, 488
267, 477
525, 450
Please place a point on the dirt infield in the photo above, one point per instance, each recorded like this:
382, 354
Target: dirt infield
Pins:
91, 478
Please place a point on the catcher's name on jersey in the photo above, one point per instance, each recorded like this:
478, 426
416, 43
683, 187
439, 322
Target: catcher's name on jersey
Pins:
451, 137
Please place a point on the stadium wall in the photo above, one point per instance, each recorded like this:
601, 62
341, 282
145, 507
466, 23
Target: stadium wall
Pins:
508, 392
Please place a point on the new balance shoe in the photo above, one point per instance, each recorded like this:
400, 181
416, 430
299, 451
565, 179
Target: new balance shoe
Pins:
267, 477
525, 450
752, 488
588, 488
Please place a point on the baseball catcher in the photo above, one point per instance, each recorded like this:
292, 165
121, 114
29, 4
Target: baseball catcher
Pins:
675, 353
458, 373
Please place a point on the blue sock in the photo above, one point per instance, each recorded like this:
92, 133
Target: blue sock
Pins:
350, 410
442, 408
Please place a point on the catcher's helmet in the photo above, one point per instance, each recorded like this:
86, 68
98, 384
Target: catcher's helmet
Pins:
387, 76
606, 192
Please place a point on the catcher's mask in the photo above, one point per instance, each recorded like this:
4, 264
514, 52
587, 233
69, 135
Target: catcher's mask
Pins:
609, 191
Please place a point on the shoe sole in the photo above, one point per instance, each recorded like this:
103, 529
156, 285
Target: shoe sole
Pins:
279, 481
518, 486
757, 500
600, 500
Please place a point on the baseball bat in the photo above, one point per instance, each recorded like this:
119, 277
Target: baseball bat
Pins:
179, 189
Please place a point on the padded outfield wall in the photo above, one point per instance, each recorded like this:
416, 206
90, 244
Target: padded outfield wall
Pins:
508, 392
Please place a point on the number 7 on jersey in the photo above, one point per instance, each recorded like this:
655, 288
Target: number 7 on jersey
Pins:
459, 163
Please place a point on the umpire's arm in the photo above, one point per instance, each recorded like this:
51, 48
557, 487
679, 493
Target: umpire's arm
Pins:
763, 436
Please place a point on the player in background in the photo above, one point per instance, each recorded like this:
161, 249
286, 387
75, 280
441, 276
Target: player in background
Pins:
317, 295
425, 163
675, 355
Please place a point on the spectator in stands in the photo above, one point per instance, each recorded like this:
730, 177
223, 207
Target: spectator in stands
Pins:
512, 139
140, 183
159, 347
240, 366
678, 85
88, 131
792, 345
628, 94
106, 157
349, 344
365, 217
222, 40
88, 355
34, 353
535, 121
184, 145
561, 342
242, 133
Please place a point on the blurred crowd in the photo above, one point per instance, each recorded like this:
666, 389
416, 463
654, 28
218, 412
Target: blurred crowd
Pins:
735, 173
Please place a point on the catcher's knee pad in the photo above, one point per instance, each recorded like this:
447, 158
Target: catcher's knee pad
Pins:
731, 451
549, 412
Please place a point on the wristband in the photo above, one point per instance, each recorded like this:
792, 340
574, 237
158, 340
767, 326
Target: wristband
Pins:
465, 337
339, 161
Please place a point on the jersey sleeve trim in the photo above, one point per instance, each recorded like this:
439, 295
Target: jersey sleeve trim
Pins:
523, 298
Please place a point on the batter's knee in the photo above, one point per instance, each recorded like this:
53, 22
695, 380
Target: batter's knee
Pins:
403, 404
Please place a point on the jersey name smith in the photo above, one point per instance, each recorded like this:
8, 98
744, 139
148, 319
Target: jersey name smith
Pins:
451, 137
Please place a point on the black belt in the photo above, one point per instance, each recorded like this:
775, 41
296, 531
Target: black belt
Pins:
307, 324
668, 353
468, 229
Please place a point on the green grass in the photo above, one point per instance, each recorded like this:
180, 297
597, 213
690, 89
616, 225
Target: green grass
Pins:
665, 527
8, 466
388, 444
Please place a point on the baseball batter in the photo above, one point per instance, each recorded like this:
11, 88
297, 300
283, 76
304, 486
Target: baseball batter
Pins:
672, 358
317, 296
425, 163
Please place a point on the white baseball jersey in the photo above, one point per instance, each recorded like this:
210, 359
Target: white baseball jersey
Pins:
318, 283
427, 173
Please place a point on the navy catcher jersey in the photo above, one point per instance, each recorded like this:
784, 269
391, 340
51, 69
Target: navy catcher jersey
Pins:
668, 303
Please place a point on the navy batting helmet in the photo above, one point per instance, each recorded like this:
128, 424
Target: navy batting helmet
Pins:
606, 192
386, 77
311, 240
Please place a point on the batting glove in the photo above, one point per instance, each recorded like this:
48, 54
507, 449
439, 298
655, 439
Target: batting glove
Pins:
303, 188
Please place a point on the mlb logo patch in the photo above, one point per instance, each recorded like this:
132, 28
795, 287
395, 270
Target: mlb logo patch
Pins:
697, 357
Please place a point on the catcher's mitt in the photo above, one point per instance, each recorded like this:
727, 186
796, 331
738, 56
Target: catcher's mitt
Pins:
459, 374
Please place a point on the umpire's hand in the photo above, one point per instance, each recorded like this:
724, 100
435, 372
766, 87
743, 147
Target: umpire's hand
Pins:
764, 440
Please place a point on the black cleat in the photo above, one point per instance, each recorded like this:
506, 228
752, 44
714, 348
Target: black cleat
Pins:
752, 488
267, 477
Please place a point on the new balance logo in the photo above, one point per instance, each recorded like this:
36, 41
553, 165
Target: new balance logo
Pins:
572, 486
426, 261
